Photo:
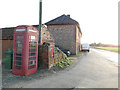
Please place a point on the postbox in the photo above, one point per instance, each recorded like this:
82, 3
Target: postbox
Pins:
25, 46
52, 50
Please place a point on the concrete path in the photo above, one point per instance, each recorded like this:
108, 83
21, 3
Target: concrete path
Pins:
92, 70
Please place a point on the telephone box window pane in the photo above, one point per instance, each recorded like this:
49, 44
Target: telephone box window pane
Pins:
32, 42
19, 37
32, 58
19, 50
18, 54
33, 66
19, 41
18, 67
18, 63
32, 62
32, 45
18, 58
31, 54
32, 50
19, 45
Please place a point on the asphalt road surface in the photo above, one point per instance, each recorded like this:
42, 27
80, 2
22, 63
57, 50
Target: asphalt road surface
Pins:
0, 77
92, 70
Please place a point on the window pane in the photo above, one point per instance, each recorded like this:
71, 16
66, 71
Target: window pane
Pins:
31, 54
32, 58
32, 50
32, 62
18, 67
19, 41
32, 45
19, 50
33, 66
19, 45
18, 54
19, 37
18, 58
18, 63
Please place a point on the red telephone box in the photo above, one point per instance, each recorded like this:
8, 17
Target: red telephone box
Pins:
25, 47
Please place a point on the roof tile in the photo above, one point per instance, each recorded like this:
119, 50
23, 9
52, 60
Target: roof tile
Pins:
63, 19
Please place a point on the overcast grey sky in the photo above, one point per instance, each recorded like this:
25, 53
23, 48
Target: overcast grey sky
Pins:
98, 19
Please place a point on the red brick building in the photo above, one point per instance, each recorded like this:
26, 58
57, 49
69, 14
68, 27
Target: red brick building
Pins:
66, 32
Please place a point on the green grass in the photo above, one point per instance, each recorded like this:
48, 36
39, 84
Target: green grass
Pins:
113, 49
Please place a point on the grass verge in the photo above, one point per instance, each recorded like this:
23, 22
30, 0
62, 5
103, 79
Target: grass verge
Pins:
113, 49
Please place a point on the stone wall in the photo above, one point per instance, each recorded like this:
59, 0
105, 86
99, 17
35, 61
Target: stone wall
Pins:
46, 35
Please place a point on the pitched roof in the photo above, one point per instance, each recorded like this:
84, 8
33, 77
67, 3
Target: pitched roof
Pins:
63, 19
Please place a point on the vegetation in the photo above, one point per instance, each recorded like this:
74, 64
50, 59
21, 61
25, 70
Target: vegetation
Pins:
114, 49
64, 64
103, 45
61, 59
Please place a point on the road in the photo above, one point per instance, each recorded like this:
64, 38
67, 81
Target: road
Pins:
112, 56
92, 70
0, 77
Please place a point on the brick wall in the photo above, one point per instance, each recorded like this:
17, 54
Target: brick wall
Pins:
64, 36
45, 58
78, 40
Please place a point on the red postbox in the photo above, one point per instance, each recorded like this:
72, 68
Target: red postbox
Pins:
25, 47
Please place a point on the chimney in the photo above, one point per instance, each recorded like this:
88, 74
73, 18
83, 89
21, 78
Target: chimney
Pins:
68, 15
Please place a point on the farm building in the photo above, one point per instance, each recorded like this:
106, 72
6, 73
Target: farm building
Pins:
66, 32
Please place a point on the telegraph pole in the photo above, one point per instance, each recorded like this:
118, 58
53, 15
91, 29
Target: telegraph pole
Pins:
40, 21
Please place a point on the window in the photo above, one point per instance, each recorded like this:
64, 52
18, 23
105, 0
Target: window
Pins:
19, 45
19, 41
18, 67
18, 56
32, 52
19, 36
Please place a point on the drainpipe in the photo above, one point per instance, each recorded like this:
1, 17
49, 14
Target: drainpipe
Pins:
40, 21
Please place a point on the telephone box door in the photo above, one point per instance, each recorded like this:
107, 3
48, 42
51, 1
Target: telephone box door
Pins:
18, 54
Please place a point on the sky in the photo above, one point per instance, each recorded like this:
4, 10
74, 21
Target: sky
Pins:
98, 19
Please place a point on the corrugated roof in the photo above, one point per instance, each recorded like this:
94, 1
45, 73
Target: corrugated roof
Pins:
63, 19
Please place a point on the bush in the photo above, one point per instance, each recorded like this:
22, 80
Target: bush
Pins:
64, 64
61, 59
